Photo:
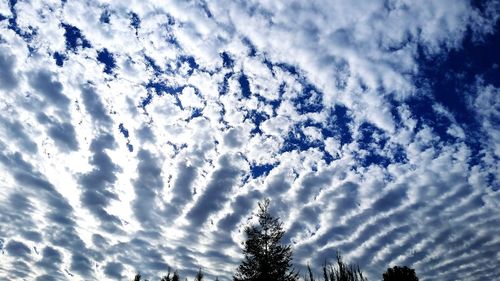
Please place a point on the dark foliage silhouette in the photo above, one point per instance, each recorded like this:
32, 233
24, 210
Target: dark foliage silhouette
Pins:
309, 276
338, 272
343, 272
265, 258
398, 273
199, 276
175, 277
138, 277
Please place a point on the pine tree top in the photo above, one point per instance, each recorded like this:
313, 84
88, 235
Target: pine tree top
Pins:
265, 257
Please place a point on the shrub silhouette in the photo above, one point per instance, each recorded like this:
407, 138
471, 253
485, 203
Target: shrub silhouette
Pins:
342, 271
338, 272
175, 277
398, 273
265, 257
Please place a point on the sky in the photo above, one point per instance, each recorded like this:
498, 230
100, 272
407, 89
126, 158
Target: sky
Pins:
137, 136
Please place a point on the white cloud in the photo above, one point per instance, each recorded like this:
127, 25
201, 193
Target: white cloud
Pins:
327, 132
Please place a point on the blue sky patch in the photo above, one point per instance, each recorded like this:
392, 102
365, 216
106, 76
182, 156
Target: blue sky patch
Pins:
450, 75
261, 170
297, 140
105, 17
337, 125
309, 101
191, 62
257, 119
123, 130
74, 38
223, 87
59, 58
152, 64
244, 85
226, 60
106, 58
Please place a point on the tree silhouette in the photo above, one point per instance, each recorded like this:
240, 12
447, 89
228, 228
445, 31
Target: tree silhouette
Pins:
176, 276
398, 273
199, 276
166, 277
265, 258
138, 277
310, 275
342, 271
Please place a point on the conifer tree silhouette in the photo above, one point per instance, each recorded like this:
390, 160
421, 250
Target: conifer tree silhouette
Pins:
199, 276
265, 258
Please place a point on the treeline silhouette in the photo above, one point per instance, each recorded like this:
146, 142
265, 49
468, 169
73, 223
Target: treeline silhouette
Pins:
267, 259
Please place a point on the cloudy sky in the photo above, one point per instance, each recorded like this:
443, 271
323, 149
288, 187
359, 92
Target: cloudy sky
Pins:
140, 135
